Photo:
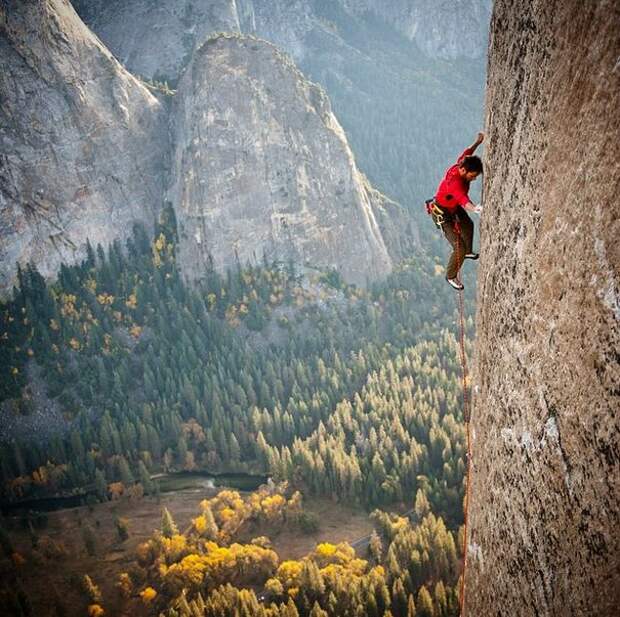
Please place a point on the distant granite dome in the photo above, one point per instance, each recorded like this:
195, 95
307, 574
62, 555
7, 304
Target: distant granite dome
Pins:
82, 142
545, 500
262, 168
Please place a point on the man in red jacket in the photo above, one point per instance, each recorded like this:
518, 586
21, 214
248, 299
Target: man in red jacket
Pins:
451, 204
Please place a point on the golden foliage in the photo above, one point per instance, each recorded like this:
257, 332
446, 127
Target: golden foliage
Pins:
135, 492
105, 299
158, 246
289, 573
124, 585
148, 595
193, 430
67, 305
173, 548
94, 610
146, 554
116, 490
135, 331
74, 344
92, 591
200, 524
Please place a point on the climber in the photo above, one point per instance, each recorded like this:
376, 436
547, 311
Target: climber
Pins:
448, 209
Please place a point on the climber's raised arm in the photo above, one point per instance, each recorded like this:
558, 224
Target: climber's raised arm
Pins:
479, 140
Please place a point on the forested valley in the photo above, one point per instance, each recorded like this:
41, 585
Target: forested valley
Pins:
332, 390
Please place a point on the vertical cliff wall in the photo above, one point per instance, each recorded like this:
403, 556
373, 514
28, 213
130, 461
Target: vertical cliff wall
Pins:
545, 504
82, 142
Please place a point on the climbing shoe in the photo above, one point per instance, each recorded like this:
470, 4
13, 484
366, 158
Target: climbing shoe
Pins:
472, 255
454, 283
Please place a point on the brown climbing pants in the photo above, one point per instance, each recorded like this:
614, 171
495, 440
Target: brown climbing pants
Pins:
462, 241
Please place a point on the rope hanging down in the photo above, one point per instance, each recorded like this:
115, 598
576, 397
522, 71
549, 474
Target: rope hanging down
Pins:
466, 416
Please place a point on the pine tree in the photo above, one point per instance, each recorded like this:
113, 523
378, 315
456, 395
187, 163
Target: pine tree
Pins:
122, 528
211, 530
399, 599
441, 600
317, 611
168, 526
411, 612
375, 547
101, 485
424, 603
145, 478
126, 476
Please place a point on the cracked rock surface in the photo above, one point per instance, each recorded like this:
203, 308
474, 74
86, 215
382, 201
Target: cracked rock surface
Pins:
545, 499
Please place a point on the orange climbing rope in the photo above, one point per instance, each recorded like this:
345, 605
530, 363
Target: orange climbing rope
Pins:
438, 219
466, 416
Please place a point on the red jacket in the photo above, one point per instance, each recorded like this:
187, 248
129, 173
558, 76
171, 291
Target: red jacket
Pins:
453, 189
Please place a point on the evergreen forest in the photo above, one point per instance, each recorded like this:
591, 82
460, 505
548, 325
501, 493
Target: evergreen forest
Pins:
331, 390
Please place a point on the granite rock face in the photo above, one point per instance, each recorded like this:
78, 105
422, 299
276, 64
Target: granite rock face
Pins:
263, 169
82, 142
545, 500
156, 39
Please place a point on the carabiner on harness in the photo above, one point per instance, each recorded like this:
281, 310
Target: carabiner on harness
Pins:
435, 212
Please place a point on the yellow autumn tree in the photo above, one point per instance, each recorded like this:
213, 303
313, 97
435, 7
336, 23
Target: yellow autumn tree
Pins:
124, 585
148, 595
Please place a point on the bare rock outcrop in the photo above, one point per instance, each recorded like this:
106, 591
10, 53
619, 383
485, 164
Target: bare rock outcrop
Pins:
82, 141
156, 39
263, 169
545, 500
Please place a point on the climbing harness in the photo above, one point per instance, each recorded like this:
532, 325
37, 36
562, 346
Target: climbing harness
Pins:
437, 214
